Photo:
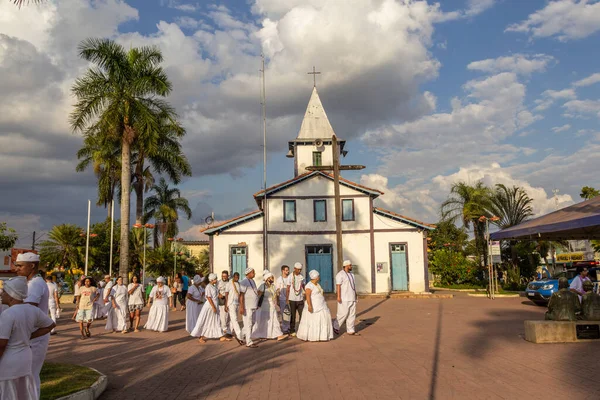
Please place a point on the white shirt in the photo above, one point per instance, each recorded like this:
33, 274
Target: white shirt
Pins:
348, 289
211, 292
281, 284
316, 297
17, 324
161, 295
233, 288
195, 292
577, 284
52, 289
76, 289
296, 288
222, 286
137, 297
248, 287
107, 289
37, 292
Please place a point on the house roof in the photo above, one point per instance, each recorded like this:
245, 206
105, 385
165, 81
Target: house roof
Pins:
402, 218
194, 242
307, 175
315, 124
232, 222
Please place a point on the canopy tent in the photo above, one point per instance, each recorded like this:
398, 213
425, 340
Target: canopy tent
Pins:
577, 222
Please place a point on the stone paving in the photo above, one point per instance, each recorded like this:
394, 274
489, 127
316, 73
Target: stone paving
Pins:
461, 348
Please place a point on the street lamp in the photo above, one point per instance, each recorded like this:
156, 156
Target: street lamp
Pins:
491, 273
173, 249
87, 246
146, 227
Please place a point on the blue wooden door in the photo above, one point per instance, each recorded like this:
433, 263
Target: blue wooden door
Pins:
238, 260
399, 267
320, 258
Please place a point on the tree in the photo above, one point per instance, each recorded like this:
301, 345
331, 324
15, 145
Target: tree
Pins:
511, 205
588, 192
63, 248
122, 95
8, 237
448, 235
164, 207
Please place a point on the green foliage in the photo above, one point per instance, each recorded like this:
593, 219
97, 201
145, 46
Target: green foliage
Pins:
511, 205
448, 235
8, 237
588, 192
100, 247
452, 267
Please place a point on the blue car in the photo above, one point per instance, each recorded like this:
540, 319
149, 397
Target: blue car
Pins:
540, 290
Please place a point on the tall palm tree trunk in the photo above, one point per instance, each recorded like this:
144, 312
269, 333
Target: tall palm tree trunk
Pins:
139, 196
125, 197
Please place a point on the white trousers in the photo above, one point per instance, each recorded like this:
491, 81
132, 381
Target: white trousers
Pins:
39, 347
346, 312
233, 318
285, 325
225, 320
249, 320
53, 310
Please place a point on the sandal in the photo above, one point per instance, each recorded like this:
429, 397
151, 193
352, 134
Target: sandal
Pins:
240, 342
202, 340
224, 339
83, 337
354, 334
252, 346
336, 331
87, 332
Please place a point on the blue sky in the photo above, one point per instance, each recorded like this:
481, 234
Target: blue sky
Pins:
425, 95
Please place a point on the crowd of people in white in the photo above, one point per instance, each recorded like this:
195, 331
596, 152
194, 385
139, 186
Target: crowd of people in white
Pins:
213, 307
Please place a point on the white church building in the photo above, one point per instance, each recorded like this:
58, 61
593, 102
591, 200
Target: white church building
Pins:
388, 250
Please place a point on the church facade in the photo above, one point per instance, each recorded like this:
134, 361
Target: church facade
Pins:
388, 250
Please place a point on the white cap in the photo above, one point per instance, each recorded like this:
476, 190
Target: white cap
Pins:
298, 265
28, 257
248, 270
314, 274
160, 279
212, 277
267, 275
197, 279
347, 262
16, 287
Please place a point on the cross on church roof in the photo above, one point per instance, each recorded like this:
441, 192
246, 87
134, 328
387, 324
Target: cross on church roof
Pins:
314, 73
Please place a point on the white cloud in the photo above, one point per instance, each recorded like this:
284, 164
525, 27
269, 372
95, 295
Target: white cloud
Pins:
476, 7
590, 80
582, 108
550, 96
564, 19
518, 63
559, 129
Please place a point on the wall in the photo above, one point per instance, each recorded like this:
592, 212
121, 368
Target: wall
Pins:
304, 156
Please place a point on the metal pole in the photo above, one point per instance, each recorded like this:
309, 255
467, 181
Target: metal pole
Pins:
174, 260
33, 242
87, 240
144, 266
338, 205
112, 226
265, 203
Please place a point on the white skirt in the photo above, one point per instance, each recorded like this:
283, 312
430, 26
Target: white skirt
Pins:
98, 311
267, 324
122, 314
22, 388
111, 319
158, 318
208, 324
315, 327
192, 311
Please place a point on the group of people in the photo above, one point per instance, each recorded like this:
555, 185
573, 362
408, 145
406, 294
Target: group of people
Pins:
268, 310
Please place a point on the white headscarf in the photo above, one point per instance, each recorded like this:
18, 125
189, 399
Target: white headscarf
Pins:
16, 287
102, 284
197, 279
314, 274
267, 275
298, 265
346, 263
212, 277
248, 270
160, 279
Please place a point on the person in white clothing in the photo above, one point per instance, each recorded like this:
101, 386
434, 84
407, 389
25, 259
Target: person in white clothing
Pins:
267, 319
160, 301
346, 300
88, 294
316, 322
106, 293
53, 301
208, 325
76, 287
37, 294
136, 303
232, 305
19, 324
281, 285
295, 297
577, 283
98, 308
249, 295
193, 303
224, 316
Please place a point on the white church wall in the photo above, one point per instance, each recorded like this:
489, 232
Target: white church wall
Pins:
316, 186
304, 155
221, 251
255, 225
381, 222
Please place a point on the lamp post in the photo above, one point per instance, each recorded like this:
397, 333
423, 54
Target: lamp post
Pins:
146, 227
87, 235
174, 250
491, 273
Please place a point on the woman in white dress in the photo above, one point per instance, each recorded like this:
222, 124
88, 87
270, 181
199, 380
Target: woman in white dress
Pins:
99, 309
208, 325
19, 323
193, 303
268, 325
160, 301
111, 313
316, 325
120, 306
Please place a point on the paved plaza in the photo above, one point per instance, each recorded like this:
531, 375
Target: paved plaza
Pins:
461, 348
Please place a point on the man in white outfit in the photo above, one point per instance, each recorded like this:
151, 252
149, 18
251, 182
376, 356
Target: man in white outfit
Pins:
232, 305
27, 265
346, 299
281, 285
53, 302
249, 295
223, 315
106, 293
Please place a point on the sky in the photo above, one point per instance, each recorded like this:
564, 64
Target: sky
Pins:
425, 94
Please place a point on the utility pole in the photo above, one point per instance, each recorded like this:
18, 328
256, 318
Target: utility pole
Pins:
263, 102
33, 242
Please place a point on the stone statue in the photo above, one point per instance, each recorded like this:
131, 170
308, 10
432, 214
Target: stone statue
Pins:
564, 304
590, 303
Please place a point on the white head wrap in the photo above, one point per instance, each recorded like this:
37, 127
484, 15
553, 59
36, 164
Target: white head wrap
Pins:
28, 257
160, 279
298, 266
197, 279
248, 270
212, 277
16, 287
347, 262
267, 275
314, 274
102, 283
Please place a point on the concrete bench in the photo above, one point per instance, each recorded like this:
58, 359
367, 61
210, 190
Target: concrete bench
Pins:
560, 331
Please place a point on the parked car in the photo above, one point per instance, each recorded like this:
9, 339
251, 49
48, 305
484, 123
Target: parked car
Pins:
540, 290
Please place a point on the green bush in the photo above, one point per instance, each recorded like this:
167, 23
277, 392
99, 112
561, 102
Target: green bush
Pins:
452, 267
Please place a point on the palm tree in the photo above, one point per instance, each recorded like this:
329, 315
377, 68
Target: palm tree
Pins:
122, 95
64, 247
468, 203
588, 192
164, 207
512, 205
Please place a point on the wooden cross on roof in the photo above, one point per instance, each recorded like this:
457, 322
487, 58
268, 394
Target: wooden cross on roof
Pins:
314, 73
